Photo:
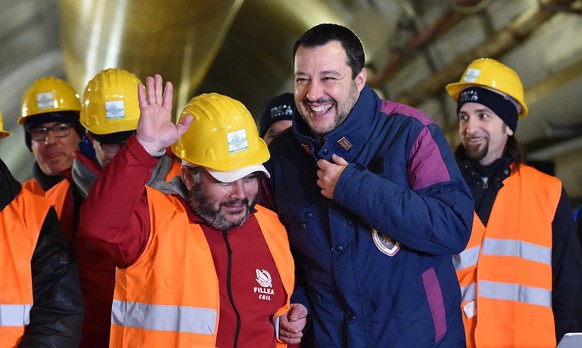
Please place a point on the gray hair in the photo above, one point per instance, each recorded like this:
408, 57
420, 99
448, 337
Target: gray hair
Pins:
195, 170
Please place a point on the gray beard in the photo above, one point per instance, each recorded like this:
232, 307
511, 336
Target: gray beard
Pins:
204, 208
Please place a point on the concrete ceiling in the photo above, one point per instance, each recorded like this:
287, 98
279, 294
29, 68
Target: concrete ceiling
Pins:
242, 48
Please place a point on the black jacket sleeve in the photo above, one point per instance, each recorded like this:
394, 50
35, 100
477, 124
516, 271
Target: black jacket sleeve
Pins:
566, 271
56, 317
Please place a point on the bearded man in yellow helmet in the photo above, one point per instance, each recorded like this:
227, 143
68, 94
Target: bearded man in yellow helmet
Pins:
520, 274
199, 264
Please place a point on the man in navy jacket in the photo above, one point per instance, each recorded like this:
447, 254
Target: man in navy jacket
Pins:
374, 205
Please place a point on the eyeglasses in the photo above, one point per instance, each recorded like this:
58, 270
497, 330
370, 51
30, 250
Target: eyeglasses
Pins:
60, 130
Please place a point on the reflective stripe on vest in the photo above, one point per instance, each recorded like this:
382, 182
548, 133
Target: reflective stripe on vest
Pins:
469, 292
164, 318
14, 315
515, 292
504, 247
505, 291
467, 258
517, 248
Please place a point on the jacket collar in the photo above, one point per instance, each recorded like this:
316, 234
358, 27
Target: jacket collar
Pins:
472, 171
346, 140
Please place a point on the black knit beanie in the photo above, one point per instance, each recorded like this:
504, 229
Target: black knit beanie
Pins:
279, 108
498, 103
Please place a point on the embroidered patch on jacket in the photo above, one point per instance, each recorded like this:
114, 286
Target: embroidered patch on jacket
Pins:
345, 143
306, 148
385, 244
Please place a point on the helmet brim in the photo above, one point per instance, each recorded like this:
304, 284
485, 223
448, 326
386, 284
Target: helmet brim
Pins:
237, 174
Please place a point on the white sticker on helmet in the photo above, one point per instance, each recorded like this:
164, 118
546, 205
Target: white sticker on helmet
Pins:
237, 141
471, 75
114, 109
45, 100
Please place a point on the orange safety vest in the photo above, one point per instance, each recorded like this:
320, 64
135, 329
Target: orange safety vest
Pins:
20, 225
33, 186
505, 272
170, 296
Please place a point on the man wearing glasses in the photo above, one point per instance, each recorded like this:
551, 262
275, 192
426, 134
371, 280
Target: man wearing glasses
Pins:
50, 116
40, 296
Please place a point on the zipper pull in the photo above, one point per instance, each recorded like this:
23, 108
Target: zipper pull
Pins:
485, 182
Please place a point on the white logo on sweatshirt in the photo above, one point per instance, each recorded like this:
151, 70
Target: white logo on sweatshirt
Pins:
265, 290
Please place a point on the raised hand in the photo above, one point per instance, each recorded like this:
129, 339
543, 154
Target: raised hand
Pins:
155, 129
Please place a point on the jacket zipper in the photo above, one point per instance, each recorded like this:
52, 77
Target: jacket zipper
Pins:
485, 182
229, 288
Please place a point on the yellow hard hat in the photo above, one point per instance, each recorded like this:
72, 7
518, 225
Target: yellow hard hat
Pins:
489, 73
110, 102
48, 94
223, 135
3, 133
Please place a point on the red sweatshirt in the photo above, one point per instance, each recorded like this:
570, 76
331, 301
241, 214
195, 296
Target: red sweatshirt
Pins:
115, 219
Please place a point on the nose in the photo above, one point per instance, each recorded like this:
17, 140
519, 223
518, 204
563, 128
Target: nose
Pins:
50, 138
470, 125
237, 190
314, 91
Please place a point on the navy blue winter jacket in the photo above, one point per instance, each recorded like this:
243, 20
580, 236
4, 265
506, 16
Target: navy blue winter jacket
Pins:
374, 264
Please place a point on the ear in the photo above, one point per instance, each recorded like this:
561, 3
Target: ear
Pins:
508, 130
361, 79
187, 178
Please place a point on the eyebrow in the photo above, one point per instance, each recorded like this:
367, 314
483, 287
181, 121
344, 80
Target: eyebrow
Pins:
325, 72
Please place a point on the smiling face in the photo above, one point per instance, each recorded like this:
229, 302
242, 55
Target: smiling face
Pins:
325, 92
221, 205
54, 154
483, 133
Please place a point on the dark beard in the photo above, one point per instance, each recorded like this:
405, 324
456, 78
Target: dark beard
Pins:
204, 208
476, 153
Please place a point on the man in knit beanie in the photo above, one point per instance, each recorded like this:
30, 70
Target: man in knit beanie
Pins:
520, 273
277, 116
